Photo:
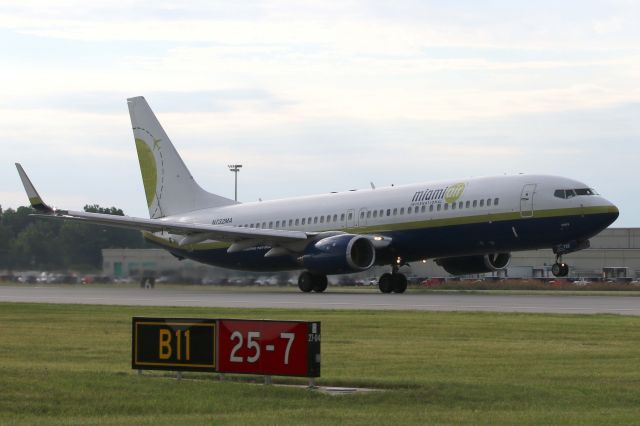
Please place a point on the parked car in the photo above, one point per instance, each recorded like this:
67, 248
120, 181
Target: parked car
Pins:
431, 282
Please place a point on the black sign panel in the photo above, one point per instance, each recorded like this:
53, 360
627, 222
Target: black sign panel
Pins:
183, 344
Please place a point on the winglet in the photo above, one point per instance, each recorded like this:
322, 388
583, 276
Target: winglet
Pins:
34, 197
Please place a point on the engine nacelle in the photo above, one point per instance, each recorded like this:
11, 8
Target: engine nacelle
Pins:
339, 254
478, 264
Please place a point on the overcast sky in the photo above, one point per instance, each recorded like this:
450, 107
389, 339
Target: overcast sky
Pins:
319, 96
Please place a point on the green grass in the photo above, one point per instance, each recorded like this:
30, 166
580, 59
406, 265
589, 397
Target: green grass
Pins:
70, 364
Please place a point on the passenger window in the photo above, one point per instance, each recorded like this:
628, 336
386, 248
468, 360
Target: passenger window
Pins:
460, 205
475, 203
315, 220
368, 214
277, 224
402, 210
481, 203
395, 211
270, 225
446, 206
298, 222
388, 212
342, 217
409, 210
467, 204
431, 208
439, 206
375, 213
381, 213
264, 225
290, 222
335, 217
495, 201
350, 215
321, 219
361, 215
453, 206
489, 202
303, 220
309, 221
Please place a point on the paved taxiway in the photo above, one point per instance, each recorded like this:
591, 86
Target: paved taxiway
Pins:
230, 298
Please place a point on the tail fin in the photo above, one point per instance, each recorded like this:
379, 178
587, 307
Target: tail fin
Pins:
169, 187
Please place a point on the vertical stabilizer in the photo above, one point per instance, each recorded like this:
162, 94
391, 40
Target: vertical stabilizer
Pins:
168, 185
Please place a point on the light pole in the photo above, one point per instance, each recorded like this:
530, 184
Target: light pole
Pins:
235, 168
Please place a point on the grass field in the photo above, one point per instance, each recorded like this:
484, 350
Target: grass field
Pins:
70, 364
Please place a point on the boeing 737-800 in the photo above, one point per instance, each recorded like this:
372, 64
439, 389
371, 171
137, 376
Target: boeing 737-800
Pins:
467, 226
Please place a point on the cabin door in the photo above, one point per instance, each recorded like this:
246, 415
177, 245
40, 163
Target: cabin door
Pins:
362, 217
526, 200
351, 219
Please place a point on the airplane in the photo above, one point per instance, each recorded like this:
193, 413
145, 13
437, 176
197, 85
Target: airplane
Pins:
468, 226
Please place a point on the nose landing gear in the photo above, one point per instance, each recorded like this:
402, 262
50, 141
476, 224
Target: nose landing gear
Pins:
560, 269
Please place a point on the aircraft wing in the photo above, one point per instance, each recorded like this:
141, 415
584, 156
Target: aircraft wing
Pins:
193, 232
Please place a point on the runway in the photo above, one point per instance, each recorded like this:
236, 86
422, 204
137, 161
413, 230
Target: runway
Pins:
359, 300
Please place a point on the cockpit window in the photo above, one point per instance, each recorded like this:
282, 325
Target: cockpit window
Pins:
585, 191
570, 193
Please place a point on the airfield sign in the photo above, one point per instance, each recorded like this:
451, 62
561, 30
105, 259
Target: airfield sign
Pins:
282, 348
185, 344
278, 348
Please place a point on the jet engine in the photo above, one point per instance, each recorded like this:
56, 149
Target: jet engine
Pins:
339, 254
478, 264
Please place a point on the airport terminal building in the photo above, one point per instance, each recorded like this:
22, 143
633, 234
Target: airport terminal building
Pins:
614, 253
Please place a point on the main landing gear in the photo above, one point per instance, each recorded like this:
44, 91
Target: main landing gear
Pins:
393, 282
559, 269
316, 282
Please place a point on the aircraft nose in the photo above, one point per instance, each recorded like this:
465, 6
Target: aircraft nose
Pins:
612, 212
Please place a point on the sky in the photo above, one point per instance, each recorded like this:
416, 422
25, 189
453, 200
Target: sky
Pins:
319, 96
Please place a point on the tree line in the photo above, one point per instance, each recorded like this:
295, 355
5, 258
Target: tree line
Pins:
30, 243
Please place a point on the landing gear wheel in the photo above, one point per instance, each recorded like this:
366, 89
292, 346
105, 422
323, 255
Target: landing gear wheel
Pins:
560, 269
320, 283
399, 283
385, 283
305, 282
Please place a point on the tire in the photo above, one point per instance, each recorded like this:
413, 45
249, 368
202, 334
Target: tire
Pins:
399, 283
320, 283
556, 270
385, 283
564, 270
305, 282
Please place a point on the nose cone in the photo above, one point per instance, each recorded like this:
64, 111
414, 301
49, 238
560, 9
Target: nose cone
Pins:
613, 213
609, 212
